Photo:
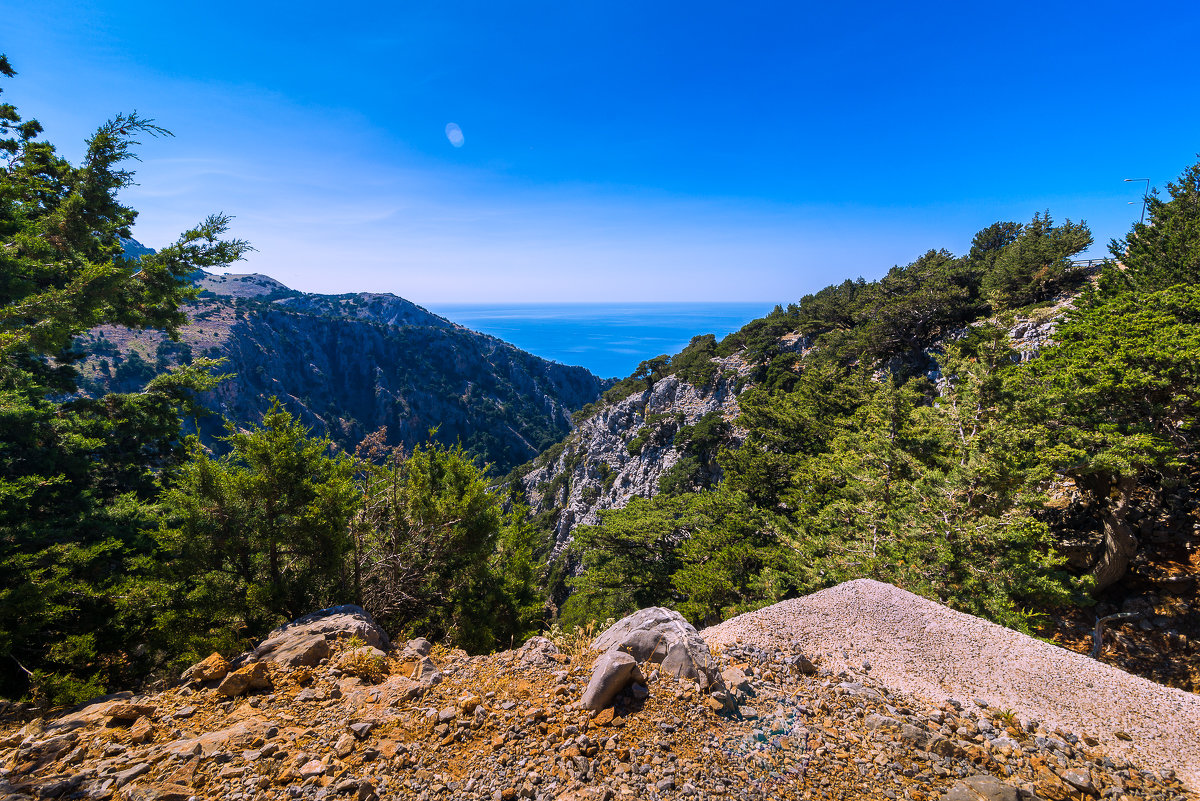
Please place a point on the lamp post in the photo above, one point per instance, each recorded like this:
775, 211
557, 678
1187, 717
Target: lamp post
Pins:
1146, 195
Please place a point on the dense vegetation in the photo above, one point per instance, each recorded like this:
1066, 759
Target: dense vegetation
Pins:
126, 547
891, 431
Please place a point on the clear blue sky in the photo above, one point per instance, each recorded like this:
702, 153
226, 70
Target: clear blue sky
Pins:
617, 151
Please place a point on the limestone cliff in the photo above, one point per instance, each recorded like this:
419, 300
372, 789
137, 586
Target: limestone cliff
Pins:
622, 451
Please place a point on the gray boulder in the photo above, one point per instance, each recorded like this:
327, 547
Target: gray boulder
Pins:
305, 641
612, 672
662, 636
419, 645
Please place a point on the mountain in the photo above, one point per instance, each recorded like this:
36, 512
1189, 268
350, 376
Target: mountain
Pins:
350, 364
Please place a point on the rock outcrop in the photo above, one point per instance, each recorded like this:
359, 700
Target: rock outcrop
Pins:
594, 469
306, 640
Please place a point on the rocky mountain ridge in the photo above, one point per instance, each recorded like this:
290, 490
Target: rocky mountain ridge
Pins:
350, 364
594, 467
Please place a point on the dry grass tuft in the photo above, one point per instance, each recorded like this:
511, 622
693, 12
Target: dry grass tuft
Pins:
576, 642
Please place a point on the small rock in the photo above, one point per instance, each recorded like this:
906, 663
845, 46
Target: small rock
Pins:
1079, 779
212, 668
126, 776
142, 731
254, 676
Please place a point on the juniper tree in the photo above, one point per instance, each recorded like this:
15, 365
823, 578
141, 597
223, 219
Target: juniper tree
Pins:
77, 474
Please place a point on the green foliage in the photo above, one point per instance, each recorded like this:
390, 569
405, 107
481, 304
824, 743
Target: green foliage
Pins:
1165, 250
694, 363
260, 534
436, 556
760, 338
697, 466
77, 475
910, 306
708, 554
1114, 404
1034, 266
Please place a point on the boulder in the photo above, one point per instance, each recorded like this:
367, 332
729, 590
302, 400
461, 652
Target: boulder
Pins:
612, 672
251, 677
419, 645
662, 636
213, 668
305, 641
355, 656
981, 788
537, 651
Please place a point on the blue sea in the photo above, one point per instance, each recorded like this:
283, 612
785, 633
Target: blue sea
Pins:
610, 339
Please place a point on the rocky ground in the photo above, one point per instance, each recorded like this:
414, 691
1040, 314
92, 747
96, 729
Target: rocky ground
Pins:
428, 723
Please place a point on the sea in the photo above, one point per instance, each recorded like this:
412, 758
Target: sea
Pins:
610, 339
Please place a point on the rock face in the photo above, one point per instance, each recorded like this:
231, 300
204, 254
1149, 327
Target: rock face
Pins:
595, 470
305, 641
349, 364
662, 636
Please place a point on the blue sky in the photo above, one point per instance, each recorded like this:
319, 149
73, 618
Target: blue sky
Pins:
617, 151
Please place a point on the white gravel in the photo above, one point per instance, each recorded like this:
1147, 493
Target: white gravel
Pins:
920, 647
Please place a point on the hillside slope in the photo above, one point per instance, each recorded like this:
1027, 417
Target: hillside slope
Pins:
350, 364
915, 430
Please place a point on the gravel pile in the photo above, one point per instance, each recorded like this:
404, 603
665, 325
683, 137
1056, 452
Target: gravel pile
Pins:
920, 647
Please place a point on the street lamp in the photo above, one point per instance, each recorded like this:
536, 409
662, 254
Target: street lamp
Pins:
1147, 180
